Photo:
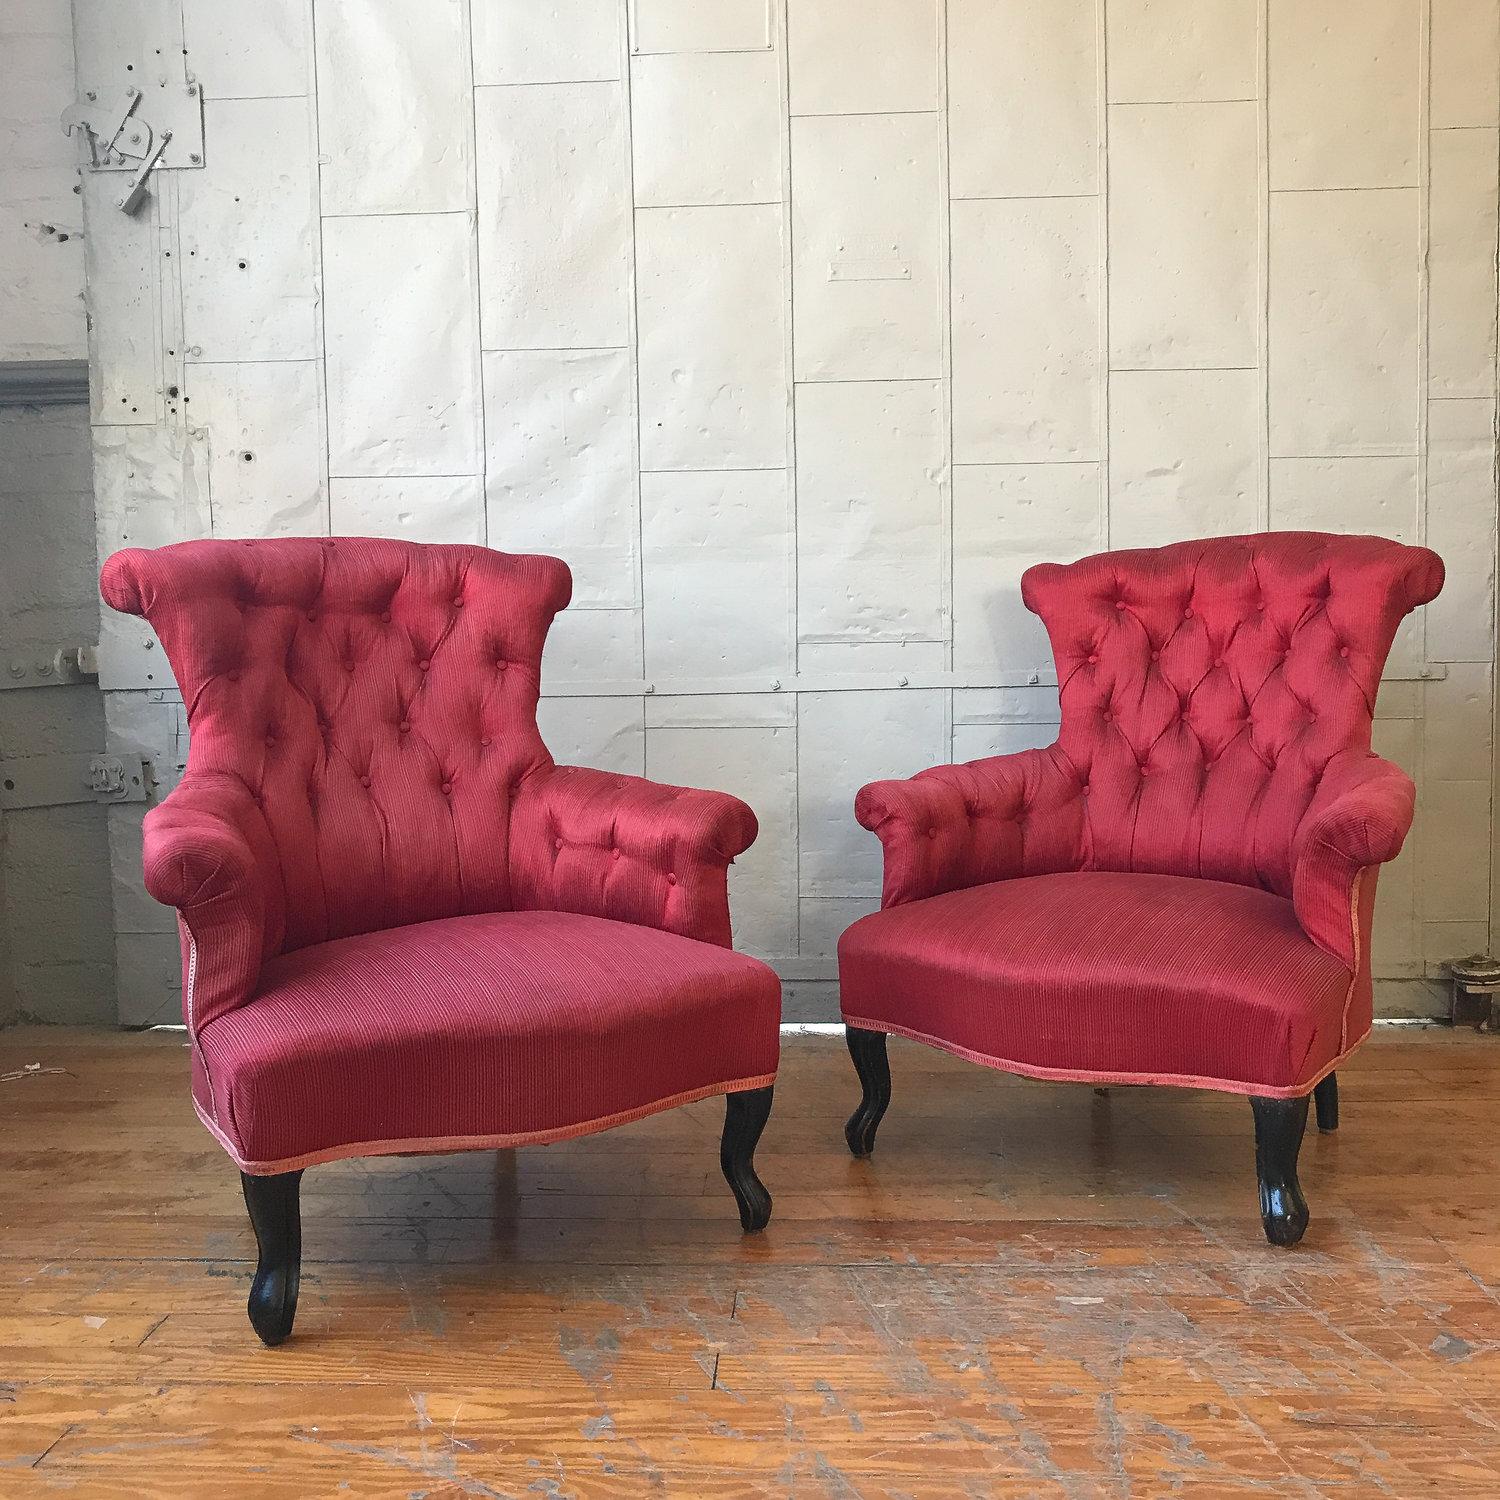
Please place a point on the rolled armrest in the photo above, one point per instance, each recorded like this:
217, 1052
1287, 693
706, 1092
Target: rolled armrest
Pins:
955, 826
1358, 817
631, 850
204, 853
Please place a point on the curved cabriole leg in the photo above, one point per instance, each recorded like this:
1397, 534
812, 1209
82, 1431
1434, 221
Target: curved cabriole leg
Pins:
745, 1116
867, 1048
276, 1214
1326, 1098
1279, 1124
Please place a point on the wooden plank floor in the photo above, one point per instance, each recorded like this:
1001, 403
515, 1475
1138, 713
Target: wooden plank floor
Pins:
1029, 1291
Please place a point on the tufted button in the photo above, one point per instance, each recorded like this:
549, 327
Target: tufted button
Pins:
348, 666
1187, 614
501, 665
424, 664
485, 741
312, 616
1093, 660
405, 726
1218, 661
1156, 656
364, 781
447, 788
557, 843
932, 833
386, 617
233, 676
1109, 718
1085, 789
1143, 768
1343, 651
1119, 604
614, 853
671, 879
270, 739
458, 604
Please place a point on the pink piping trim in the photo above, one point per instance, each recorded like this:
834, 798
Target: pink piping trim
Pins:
1084, 1075
432, 1145
1356, 894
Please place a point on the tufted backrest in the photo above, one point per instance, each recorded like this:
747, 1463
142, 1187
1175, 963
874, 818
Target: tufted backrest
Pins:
1205, 686
377, 699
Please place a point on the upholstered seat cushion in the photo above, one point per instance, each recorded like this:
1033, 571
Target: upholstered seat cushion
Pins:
1107, 977
477, 1031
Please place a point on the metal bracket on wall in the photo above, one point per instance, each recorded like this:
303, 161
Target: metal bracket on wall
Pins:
120, 139
65, 667
56, 780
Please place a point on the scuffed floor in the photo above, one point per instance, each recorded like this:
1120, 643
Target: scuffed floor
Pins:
1031, 1290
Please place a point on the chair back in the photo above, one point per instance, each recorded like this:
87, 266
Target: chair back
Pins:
1206, 685
376, 698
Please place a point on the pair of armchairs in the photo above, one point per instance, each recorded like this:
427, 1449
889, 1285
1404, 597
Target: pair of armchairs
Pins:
405, 929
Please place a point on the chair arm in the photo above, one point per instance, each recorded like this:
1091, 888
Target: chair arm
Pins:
955, 826
1358, 818
200, 855
631, 850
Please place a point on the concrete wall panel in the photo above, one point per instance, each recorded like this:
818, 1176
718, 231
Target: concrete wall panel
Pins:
1462, 303
713, 388
402, 346
871, 492
1026, 331
560, 433
732, 151
856, 57
1042, 58
758, 765
1173, 51
866, 247
1006, 517
1184, 455
441, 508
249, 51
1364, 54
691, 26
1183, 236
1359, 495
250, 277
265, 457
546, 41
554, 216
395, 124
717, 575
1343, 318
1461, 506
845, 740
1465, 63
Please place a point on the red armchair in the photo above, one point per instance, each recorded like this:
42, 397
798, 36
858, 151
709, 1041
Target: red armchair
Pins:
1179, 890
405, 929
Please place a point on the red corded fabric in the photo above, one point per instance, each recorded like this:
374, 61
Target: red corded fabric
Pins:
1217, 699
1169, 979
493, 1030
365, 758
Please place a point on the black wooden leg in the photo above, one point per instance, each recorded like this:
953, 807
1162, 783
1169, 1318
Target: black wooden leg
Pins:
867, 1048
276, 1215
745, 1116
1326, 1098
1279, 1124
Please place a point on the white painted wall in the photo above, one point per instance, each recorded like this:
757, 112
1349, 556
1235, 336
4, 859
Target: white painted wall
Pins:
41, 252
801, 327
